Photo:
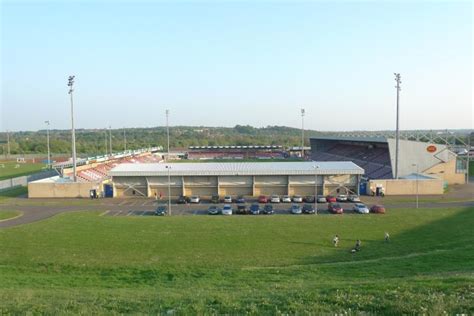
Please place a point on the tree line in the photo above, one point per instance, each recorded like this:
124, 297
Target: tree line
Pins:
94, 141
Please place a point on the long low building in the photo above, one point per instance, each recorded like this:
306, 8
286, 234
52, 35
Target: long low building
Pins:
239, 178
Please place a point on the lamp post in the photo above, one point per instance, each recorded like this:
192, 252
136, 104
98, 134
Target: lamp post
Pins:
397, 140
316, 167
302, 132
417, 172
168, 134
169, 189
110, 139
73, 132
124, 140
47, 142
106, 146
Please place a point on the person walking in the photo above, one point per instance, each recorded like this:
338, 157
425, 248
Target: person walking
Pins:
358, 244
335, 241
387, 237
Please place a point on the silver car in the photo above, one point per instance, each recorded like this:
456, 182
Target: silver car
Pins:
286, 199
353, 198
227, 199
296, 209
227, 210
275, 199
297, 199
361, 208
194, 199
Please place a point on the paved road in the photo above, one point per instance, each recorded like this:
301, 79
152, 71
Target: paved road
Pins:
39, 209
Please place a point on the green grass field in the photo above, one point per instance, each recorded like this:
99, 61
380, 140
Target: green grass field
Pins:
85, 263
10, 169
8, 214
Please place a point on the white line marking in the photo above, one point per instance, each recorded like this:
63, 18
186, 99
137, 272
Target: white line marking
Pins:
129, 213
105, 213
122, 203
119, 212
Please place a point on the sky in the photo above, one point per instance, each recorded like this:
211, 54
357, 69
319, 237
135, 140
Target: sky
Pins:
223, 63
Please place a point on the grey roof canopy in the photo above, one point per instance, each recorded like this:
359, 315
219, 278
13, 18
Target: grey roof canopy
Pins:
237, 168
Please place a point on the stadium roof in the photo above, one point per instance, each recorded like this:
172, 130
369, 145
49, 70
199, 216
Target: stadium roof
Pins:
237, 168
370, 139
236, 147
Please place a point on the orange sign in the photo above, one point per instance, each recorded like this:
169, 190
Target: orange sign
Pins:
431, 148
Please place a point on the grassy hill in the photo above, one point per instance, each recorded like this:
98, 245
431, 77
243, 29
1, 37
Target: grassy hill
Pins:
86, 263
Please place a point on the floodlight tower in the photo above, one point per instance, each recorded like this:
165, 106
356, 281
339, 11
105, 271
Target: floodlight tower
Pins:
302, 132
47, 143
397, 140
73, 132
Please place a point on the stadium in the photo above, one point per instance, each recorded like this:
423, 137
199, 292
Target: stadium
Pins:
433, 166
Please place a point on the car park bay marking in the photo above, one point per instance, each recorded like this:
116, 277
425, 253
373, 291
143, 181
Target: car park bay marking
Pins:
105, 213
122, 203
129, 213
119, 212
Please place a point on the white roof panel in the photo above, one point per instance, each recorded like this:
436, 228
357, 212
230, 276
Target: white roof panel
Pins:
237, 168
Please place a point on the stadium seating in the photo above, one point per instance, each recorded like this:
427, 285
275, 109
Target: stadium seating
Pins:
374, 160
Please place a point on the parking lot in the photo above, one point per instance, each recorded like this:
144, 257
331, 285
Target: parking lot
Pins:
147, 208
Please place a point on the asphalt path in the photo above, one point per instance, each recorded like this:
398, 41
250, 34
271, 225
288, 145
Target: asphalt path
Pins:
34, 210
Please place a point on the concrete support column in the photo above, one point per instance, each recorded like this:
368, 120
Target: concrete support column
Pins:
288, 185
183, 188
358, 184
323, 177
148, 189
218, 186
253, 185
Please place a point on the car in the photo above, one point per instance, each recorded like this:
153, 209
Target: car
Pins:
195, 199
183, 199
322, 199
268, 209
240, 199
275, 199
353, 198
262, 199
330, 199
297, 199
215, 199
377, 209
227, 210
309, 199
295, 209
335, 208
161, 210
360, 208
213, 210
308, 209
227, 199
242, 209
255, 209
341, 198
286, 199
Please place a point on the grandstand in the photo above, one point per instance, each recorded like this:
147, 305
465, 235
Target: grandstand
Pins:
376, 155
236, 152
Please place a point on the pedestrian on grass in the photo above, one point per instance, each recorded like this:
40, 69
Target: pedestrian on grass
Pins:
335, 240
387, 237
358, 244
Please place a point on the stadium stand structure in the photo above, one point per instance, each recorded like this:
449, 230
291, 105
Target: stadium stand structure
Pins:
235, 152
376, 155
